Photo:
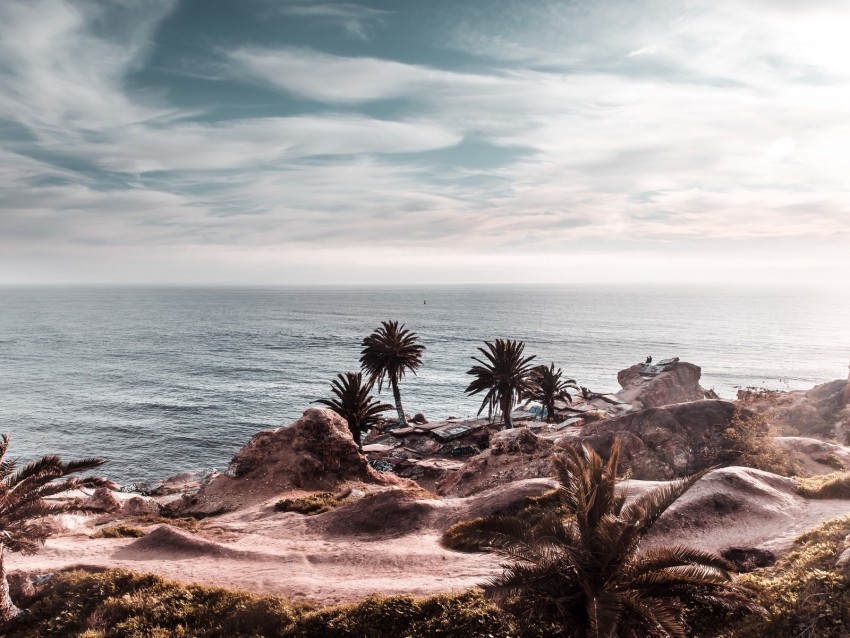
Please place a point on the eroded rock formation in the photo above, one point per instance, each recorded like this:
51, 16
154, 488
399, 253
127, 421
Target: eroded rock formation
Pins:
678, 384
314, 453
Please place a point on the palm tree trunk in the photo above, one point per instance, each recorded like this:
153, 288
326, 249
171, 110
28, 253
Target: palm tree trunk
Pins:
397, 396
507, 406
8, 610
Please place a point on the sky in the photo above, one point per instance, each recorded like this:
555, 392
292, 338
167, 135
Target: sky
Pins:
278, 142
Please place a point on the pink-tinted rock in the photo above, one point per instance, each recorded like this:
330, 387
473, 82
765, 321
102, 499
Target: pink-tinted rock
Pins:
664, 443
103, 500
677, 385
314, 453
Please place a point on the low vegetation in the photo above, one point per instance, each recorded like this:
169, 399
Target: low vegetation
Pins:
119, 531
835, 485
121, 604
804, 594
312, 504
188, 523
748, 442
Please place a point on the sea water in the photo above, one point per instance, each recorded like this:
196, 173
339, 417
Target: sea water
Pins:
165, 380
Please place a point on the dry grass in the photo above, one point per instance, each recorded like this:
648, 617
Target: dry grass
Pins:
804, 594
122, 604
835, 485
312, 504
119, 531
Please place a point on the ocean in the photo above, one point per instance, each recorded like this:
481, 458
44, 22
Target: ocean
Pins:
165, 380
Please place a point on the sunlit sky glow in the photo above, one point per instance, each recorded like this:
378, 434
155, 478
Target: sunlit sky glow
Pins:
312, 141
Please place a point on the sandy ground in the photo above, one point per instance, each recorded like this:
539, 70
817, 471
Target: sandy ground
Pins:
388, 544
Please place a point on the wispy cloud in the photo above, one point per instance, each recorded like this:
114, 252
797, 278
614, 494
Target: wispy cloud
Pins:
355, 19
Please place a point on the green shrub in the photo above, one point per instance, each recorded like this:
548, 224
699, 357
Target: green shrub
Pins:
312, 504
119, 531
835, 485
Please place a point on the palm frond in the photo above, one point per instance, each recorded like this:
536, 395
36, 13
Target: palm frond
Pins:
587, 570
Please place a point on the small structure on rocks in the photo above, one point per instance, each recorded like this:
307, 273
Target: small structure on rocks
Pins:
653, 386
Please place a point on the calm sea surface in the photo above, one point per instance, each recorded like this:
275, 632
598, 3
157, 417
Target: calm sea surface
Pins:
164, 380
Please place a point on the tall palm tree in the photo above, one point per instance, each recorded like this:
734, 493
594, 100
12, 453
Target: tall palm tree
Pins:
354, 403
506, 375
388, 353
23, 506
587, 570
547, 386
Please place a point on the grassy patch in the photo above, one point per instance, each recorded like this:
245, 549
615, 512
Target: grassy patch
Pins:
803, 593
835, 485
451, 538
121, 604
312, 504
533, 511
119, 531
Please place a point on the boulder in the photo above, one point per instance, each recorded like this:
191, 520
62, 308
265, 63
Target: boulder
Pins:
103, 500
316, 452
677, 383
138, 506
665, 443
419, 419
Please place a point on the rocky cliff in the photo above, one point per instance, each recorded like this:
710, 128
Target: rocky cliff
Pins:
314, 453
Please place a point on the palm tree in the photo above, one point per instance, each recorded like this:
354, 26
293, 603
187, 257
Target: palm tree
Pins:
388, 353
354, 403
547, 386
23, 506
587, 570
506, 375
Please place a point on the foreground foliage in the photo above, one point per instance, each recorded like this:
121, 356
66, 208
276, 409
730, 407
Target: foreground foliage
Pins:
588, 571
121, 604
24, 505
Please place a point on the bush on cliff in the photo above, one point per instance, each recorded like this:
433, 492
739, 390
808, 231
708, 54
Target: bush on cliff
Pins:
748, 442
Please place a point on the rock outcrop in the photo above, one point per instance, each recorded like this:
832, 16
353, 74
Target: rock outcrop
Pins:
314, 453
513, 455
822, 412
103, 500
678, 383
665, 443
